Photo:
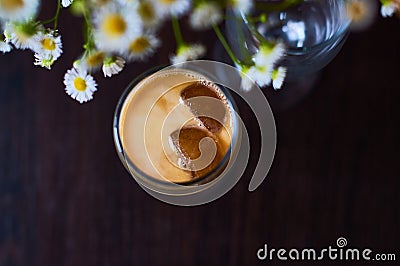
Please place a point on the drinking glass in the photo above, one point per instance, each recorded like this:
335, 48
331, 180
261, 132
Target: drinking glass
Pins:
202, 189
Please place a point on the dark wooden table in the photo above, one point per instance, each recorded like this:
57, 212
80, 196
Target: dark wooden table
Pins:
65, 198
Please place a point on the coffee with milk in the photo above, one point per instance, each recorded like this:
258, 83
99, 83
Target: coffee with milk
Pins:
176, 126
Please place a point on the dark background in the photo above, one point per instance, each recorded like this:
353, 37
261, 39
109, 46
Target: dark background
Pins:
65, 198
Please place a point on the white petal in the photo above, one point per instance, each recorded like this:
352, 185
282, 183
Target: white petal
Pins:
5, 47
205, 15
187, 53
66, 3
171, 8
22, 12
387, 10
118, 43
280, 77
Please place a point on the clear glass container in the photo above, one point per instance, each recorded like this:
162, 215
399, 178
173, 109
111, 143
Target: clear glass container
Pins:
179, 193
313, 32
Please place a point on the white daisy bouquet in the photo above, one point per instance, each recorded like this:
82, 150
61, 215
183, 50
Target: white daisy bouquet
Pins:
123, 31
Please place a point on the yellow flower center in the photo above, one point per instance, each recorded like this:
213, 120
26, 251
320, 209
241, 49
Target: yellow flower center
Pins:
48, 44
114, 25
95, 59
11, 5
139, 45
80, 84
146, 11
168, 2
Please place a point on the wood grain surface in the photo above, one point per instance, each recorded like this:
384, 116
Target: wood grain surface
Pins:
65, 198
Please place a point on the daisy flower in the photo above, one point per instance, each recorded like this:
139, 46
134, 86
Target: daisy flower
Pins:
387, 10
21, 35
43, 61
188, 52
48, 45
389, 7
148, 14
5, 47
205, 15
361, 13
18, 10
66, 3
113, 65
90, 61
278, 76
261, 75
241, 6
142, 47
114, 27
268, 54
171, 7
79, 85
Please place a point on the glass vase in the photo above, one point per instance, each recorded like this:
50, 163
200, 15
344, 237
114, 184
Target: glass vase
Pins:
313, 32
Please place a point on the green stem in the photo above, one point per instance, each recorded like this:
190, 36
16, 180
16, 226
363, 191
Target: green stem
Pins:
225, 44
88, 32
262, 18
47, 21
57, 14
177, 32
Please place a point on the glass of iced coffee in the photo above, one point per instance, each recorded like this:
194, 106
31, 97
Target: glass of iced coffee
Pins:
175, 130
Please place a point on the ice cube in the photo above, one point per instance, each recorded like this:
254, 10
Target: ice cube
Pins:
208, 105
198, 150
